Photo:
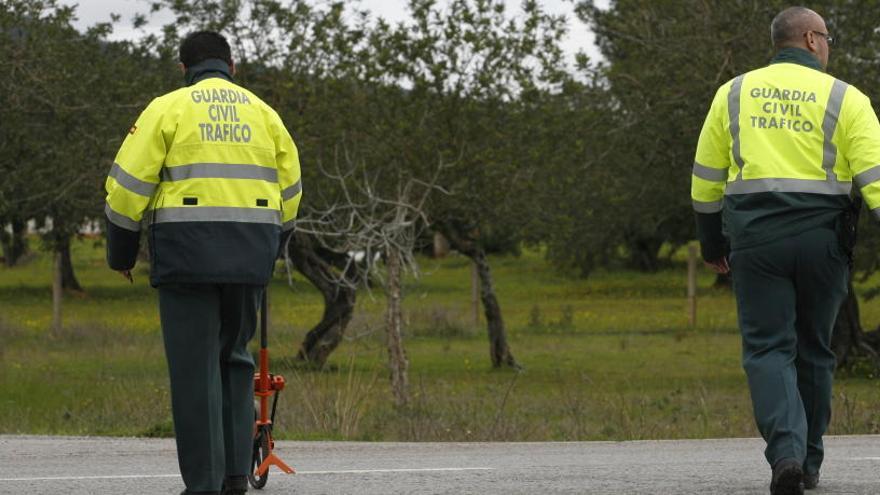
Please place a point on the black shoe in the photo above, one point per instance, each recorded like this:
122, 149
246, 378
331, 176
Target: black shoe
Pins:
788, 478
811, 480
235, 485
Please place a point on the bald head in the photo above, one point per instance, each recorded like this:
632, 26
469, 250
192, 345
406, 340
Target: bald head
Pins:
789, 26
800, 27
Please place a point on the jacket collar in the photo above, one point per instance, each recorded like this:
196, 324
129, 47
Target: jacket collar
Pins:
797, 56
212, 67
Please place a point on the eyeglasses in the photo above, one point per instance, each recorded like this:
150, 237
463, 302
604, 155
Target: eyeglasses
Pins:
828, 38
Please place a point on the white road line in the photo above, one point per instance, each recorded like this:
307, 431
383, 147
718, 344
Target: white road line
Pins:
82, 478
864, 458
413, 470
148, 476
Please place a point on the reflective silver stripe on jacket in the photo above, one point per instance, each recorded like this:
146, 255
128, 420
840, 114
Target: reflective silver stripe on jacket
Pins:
131, 182
219, 171
868, 176
291, 191
707, 207
829, 152
121, 220
733, 113
749, 186
709, 173
214, 214
829, 124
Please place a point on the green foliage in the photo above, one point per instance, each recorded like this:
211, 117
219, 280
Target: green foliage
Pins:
856, 60
623, 137
589, 167
621, 141
575, 205
592, 163
438, 91
563, 323
68, 98
627, 368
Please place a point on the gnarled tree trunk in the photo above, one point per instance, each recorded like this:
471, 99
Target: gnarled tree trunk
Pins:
68, 277
339, 301
397, 361
14, 244
848, 339
498, 346
499, 349
57, 293
644, 253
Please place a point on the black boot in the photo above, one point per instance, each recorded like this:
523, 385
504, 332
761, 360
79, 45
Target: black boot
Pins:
811, 480
235, 485
788, 478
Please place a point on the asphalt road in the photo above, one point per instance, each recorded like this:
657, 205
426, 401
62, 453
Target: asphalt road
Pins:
97, 466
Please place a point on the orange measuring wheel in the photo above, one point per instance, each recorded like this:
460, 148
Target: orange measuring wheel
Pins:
266, 385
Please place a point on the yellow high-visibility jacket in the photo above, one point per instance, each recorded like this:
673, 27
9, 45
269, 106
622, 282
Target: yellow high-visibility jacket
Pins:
213, 173
779, 152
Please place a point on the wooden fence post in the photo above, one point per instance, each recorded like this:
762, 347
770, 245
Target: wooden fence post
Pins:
56, 293
692, 285
475, 294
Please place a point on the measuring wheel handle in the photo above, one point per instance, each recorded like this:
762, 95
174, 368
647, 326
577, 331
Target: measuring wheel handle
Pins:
265, 385
276, 384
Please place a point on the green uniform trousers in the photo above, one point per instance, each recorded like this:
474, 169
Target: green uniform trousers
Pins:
206, 329
788, 293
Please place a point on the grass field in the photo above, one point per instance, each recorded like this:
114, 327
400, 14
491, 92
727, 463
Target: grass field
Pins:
608, 358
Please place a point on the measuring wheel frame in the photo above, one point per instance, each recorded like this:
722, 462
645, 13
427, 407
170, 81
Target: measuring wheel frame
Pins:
265, 385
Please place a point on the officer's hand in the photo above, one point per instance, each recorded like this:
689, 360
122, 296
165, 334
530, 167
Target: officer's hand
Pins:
127, 275
719, 266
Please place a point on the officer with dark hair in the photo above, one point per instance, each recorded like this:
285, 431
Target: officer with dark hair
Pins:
213, 174
782, 151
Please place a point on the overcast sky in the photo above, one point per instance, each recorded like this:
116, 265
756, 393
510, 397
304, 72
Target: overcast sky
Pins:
92, 11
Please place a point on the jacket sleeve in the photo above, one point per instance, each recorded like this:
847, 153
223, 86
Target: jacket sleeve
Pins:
130, 185
709, 177
862, 146
289, 177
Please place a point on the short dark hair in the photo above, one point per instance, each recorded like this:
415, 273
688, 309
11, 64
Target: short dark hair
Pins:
788, 25
202, 45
